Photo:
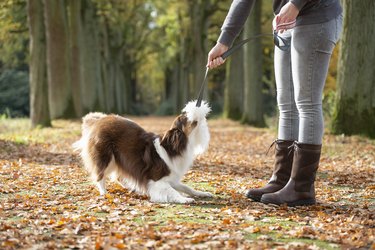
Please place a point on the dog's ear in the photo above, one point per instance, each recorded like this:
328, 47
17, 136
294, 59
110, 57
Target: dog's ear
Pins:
174, 142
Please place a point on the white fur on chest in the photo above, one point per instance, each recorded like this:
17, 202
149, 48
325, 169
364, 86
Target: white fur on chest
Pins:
178, 165
167, 188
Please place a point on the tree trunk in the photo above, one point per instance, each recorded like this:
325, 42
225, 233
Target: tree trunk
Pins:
170, 91
199, 26
183, 73
107, 70
39, 108
119, 81
253, 100
91, 84
355, 103
234, 84
75, 31
58, 53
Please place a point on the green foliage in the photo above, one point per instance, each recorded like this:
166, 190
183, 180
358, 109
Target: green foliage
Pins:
13, 33
328, 104
14, 93
14, 89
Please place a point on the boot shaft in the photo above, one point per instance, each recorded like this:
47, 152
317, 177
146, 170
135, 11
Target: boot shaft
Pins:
305, 165
283, 162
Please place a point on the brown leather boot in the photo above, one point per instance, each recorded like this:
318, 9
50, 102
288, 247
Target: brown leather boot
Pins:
281, 172
300, 188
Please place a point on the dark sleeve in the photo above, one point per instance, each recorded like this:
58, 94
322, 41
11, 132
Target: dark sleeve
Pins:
299, 3
235, 20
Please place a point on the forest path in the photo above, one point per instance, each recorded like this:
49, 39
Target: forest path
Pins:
48, 201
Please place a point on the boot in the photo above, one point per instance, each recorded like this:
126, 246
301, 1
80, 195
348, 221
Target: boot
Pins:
300, 188
281, 172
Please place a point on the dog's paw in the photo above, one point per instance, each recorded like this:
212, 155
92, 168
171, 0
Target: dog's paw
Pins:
185, 200
204, 194
182, 200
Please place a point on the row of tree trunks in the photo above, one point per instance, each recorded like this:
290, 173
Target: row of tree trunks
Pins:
83, 61
190, 67
77, 63
243, 91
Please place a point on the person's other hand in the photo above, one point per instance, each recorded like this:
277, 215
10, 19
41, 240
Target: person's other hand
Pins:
214, 56
286, 19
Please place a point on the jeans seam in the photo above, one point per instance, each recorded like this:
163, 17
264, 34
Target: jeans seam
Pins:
291, 100
313, 62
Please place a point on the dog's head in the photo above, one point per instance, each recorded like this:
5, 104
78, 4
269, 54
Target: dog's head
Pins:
176, 138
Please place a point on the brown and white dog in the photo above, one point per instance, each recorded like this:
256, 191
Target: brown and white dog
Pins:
143, 161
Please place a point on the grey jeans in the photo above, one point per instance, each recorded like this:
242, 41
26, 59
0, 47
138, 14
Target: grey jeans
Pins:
300, 77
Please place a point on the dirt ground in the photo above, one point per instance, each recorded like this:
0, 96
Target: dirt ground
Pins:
47, 200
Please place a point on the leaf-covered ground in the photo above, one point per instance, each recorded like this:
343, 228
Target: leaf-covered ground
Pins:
48, 202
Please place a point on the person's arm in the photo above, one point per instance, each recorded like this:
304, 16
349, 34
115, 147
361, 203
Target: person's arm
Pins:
299, 3
286, 18
233, 24
235, 20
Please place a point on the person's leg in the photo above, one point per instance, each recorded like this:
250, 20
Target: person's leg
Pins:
288, 113
288, 125
312, 46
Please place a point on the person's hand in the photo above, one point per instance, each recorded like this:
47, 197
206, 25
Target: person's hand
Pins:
286, 19
214, 56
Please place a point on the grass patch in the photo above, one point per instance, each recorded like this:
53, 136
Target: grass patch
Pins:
201, 186
268, 221
274, 237
13, 219
19, 131
178, 214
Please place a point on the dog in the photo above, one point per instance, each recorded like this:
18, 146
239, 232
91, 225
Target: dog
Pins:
142, 161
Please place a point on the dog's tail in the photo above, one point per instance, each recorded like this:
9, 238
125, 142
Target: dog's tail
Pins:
87, 122
90, 119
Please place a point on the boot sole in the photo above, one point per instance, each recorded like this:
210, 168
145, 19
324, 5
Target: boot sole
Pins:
307, 202
254, 198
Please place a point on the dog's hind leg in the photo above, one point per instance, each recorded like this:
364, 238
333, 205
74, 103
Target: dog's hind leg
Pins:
189, 191
101, 186
123, 182
101, 156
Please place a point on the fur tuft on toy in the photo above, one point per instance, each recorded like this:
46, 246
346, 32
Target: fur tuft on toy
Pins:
196, 113
201, 135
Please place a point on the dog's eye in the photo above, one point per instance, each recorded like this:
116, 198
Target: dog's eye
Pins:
183, 119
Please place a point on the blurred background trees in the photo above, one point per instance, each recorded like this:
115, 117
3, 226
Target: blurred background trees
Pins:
64, 58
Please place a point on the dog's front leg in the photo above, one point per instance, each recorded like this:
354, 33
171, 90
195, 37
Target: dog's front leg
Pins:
162, 192
189, 191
